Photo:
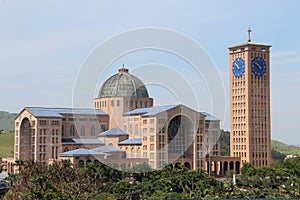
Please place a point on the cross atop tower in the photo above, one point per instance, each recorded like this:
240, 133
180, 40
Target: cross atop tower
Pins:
249, 34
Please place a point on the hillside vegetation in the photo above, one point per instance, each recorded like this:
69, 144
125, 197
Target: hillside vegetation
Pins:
6, 145
284, 148
7, 121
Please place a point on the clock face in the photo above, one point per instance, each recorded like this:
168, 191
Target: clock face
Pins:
258, 66
238, 67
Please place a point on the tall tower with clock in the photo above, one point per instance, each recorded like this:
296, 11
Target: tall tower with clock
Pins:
250, 134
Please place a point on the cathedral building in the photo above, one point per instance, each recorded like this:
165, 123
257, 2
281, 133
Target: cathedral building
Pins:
125, 124
125, 128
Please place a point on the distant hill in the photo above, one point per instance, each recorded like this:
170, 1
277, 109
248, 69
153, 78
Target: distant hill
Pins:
284, 148
279, 149
7, 121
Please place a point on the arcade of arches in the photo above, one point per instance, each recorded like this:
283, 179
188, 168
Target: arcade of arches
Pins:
219, 165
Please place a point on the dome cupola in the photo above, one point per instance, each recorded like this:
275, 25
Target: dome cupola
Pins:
123, 84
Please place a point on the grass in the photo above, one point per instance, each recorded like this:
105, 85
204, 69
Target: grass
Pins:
6, 145
284, 148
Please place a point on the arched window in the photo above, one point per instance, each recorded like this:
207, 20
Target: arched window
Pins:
139, 152
93, 132
96, 162
88, 162
66, 149
72, 130
81, 164
132, 152
82, 130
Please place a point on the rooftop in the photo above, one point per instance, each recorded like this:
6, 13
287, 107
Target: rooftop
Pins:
81, 141
81, 152
107, 149
131, 141
113, 132
209, 117
58, 112
150, 111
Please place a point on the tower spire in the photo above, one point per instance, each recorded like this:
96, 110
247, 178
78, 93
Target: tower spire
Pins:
249, 34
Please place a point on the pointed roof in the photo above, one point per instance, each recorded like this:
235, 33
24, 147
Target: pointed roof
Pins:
113, 132
81, 152
107, 149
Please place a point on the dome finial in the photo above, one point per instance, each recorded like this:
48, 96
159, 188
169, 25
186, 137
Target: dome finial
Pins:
123, 70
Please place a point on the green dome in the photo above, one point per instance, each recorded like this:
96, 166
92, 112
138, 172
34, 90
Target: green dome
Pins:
123, 84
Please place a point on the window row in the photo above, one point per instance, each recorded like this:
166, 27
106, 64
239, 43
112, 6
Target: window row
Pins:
239, 98
136, 104
239, 91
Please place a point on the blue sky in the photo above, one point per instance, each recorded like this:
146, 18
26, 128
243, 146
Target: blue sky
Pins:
44, 43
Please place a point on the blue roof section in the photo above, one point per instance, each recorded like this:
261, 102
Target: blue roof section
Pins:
131, 141
107, 149
81, 152
113, 132
209, 117
81, 141
150, 111
57, 112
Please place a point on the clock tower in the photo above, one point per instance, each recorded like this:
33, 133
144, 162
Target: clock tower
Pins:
250, 134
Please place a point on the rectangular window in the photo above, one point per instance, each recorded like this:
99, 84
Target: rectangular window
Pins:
151, 147
151, 121
151, 155
55, 123
43, 122
152, 138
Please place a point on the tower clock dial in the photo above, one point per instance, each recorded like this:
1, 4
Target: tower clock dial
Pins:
238, 67
258, 66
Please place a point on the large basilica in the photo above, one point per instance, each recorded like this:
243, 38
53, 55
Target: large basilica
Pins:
125, 128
